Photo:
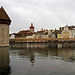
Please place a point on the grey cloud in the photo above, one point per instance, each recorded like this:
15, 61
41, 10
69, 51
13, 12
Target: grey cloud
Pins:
45, 14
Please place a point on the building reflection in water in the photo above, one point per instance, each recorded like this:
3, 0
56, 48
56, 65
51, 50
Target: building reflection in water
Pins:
65, 54
4, 61
32, 59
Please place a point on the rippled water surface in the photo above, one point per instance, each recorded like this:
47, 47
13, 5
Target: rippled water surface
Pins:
38, 61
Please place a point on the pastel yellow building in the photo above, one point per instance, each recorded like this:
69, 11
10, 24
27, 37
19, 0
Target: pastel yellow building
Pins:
60, 35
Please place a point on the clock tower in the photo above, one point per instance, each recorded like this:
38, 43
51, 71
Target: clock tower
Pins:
4, 28
32, 28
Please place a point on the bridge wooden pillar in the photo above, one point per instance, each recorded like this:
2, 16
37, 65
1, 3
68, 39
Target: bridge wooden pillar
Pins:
62, 44
70, 44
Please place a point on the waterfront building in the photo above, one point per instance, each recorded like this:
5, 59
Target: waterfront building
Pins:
5, 21
68, 32
59, 34
73, 33
40, 34
31, 35
24, 33
45, 34
12, 36
51, 34
55, 33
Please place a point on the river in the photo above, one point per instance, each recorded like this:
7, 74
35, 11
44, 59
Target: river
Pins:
37, 61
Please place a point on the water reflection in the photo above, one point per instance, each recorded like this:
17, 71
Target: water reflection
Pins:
4, 61
65, 54
32, 59
42, 61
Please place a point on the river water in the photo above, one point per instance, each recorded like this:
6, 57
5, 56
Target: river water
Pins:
37, 61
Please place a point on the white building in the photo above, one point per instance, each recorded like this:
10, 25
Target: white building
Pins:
68, 32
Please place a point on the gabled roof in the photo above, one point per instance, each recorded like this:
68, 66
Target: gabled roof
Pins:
3, 15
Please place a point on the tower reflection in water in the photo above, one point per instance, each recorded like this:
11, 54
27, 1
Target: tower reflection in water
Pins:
4, 61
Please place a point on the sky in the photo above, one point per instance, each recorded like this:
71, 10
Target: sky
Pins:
46, 14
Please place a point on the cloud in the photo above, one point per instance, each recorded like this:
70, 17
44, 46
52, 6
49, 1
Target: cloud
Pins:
45, 14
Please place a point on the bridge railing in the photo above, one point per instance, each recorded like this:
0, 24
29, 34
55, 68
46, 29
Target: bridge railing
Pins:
42, 40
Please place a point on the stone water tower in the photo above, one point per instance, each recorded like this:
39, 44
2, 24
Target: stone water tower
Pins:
4, 28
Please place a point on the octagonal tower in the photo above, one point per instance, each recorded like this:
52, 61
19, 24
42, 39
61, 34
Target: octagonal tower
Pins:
5, 21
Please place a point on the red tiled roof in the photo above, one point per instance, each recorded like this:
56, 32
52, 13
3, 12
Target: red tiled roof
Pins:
40, 31
31, 26
23, 32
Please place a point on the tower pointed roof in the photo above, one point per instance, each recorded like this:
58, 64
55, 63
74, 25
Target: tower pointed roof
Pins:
3, 16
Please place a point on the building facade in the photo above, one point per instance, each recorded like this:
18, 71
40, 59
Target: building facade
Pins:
68, 32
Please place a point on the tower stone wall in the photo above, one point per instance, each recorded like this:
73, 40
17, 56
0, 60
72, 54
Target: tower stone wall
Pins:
4, 35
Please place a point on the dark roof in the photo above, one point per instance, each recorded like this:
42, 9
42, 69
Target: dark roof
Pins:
56, 32
40, 31
45, 32
71, 27
23, 32
3, 15
59, 32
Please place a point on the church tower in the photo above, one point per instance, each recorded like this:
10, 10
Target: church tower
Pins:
4, 28
32, 28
